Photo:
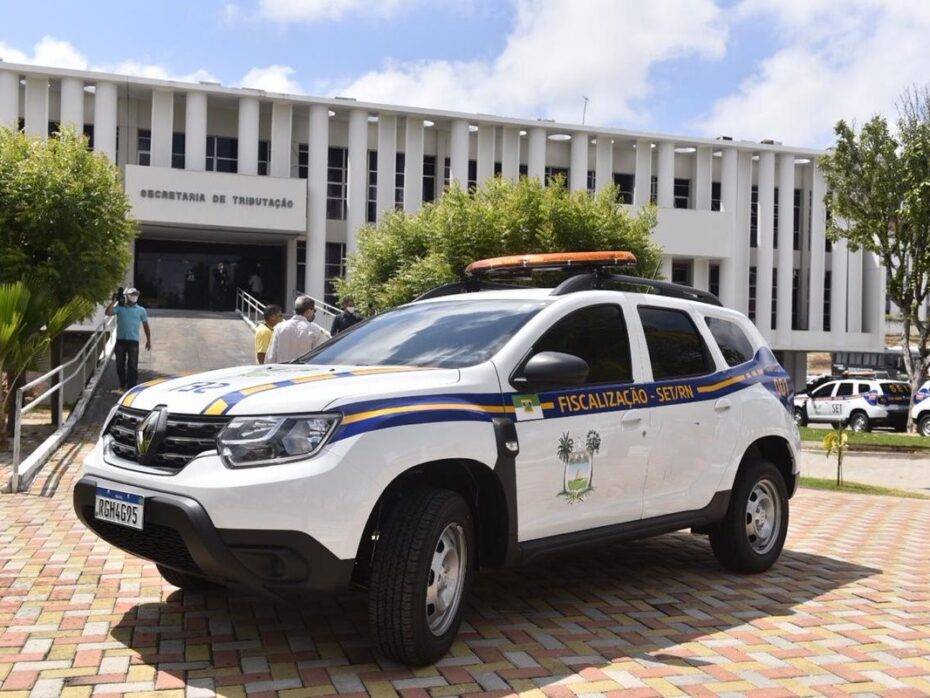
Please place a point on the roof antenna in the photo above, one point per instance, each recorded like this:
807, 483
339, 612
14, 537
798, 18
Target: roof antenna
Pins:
584, 111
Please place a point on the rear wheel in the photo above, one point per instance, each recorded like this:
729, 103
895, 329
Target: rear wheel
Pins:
751, 535
188, 582
923, 425
420, 572
859, 422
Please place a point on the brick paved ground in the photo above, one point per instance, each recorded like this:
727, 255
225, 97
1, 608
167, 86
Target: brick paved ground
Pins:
846, 611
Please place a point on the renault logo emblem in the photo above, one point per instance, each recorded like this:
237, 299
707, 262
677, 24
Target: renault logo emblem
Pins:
150, 433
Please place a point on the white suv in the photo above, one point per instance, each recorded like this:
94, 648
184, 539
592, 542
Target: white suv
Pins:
475, 429
862, 404
920, 412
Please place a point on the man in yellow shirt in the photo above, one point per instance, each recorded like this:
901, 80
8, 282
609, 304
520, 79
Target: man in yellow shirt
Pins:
263, 333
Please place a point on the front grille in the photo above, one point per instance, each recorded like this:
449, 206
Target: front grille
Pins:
161, 544
187, 436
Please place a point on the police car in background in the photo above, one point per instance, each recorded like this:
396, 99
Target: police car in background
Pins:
478, 426
861, 403
920, 412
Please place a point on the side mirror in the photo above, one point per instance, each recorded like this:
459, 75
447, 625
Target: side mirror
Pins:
555, 369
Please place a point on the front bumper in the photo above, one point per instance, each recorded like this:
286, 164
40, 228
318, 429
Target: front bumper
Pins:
178, 533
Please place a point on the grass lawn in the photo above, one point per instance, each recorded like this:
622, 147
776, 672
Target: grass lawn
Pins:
871, 438
821, 483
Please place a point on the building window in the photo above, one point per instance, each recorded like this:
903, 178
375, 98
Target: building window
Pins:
653, 189
682, 193
446, 173
715, 196
775, 221
429, 178
681, 272
797, 219
336, 166
222, 154
624, 183
335, 269
177, 151
795, 305
524, 170
713, 283
827, 292
472, 174
589, 183
752, 294
754, 217
400, 162
264, 148
144, 146
553, 172
372, 214
774, 299
303, 160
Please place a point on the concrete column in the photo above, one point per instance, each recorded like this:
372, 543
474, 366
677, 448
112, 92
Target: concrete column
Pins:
838, 284
387, 164
785, 246
818, 253
873, 294
195, 131
458, 153
701, 271
35, 110
290, 273
854, 284
642, 178
413, 164
578, 165
536, 154
9, 98
510, 153
318, 145
731, 271
163, 127
665, 165
741, 228
105, 103
485, 164
282, 115
357, 181
765, 251
665, 268
703, 177
603, 163
72, 104
248, 135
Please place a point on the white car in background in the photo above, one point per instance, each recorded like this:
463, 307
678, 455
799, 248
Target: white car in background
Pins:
860, 403
920, 412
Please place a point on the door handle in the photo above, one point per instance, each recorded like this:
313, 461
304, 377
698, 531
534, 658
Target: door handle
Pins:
722, 405
631, 419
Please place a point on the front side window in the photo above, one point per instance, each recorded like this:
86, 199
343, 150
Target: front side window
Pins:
845, 389
599, 336
824, 390
731, 339
440, 334
676, 349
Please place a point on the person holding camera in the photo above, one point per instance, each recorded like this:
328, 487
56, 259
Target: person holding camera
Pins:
129, 316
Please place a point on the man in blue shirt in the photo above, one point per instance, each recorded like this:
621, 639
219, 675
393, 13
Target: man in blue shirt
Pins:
129, 316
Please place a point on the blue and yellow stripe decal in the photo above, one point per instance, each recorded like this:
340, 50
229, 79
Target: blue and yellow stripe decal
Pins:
130, 395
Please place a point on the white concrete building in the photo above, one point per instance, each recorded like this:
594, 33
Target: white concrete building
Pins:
230, 181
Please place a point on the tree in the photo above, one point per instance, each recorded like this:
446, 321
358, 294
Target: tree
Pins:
64, 219
836, 441
879, 196
406, 255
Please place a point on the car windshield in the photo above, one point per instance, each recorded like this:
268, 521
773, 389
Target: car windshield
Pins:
441, 334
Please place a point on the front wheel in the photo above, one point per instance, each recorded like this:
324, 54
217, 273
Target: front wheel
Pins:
800, 416
751, 535
420, 572
859, 422
923, 425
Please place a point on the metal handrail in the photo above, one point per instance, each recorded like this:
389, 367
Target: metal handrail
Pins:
105, 331
326, 308
248, 305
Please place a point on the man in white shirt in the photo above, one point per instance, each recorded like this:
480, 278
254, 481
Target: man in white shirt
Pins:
297, 335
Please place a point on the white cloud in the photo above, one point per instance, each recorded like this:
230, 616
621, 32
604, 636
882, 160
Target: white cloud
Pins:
839, 59
556, 54
274, 78
327, 10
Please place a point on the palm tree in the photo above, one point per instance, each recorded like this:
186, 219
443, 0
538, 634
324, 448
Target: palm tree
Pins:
564, 452
593, 445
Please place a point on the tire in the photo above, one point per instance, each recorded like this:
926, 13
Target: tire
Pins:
800, 416
428, 530
187, 582
859, 422
923, 425
734, 546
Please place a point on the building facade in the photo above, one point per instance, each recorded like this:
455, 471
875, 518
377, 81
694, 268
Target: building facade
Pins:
230, 184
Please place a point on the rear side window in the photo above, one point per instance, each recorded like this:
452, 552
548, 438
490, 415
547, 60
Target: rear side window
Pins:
889, 388
675, 346
846, 388
598, 335
731, 339
863, 388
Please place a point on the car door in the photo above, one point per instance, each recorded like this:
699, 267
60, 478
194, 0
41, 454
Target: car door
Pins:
583, 450
819, 406
841, 403
683, 427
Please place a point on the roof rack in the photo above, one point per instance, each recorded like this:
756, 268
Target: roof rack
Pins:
598, 279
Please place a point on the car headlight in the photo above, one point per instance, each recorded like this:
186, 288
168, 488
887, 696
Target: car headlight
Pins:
251, 441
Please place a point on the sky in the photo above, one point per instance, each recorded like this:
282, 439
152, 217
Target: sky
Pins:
749, 69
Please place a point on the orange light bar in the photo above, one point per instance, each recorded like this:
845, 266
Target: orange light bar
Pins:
552, 260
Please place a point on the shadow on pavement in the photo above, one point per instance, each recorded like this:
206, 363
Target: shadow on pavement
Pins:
645, 600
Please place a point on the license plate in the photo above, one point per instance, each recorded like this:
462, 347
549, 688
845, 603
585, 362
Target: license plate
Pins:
123, 508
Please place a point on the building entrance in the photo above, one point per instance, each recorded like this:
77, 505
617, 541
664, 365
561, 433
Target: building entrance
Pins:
204, 276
